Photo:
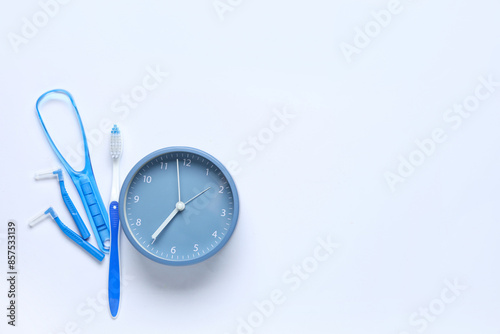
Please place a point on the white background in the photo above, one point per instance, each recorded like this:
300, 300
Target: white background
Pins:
322, 175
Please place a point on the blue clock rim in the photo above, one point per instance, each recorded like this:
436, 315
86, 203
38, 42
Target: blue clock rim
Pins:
180, 149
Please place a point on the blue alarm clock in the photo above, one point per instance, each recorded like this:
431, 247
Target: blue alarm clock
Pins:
178, 206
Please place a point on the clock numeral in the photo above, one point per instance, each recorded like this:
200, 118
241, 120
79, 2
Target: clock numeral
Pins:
138, 222
148, 179
164, 165
195, 249
136, 199
221, 191
223, 214
214, 234
187, 162
173, 250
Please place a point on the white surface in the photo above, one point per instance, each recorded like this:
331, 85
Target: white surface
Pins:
321, 175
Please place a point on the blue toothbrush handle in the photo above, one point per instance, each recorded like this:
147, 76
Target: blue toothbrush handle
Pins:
78, 240
74, 213
114, 260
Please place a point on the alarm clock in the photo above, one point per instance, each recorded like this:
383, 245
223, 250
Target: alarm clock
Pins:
178, 206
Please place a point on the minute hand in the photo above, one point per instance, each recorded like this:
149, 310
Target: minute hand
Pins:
195, 197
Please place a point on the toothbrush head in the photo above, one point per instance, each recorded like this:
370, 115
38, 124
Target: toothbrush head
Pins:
116, 143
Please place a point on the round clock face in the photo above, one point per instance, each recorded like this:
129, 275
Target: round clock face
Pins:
178, 206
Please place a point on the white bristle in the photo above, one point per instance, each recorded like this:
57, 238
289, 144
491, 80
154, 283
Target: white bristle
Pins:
115, 143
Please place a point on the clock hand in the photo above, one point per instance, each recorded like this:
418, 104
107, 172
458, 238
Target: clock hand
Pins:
178, 181
178, 208
204, 191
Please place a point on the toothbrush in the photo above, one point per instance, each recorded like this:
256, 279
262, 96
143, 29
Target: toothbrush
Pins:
114, 218
67, 200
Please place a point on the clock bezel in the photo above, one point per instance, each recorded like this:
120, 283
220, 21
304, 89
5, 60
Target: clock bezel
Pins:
125, 188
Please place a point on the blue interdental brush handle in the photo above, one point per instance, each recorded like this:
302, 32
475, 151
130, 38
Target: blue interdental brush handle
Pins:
78, 240
75, 237
67, 200
114, 261
74, 213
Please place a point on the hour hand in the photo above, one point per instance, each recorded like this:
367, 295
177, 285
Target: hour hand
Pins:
178, 208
